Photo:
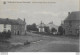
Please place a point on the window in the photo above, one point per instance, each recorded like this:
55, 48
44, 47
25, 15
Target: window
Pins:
4, 30
77, 31
4, 25
70, 25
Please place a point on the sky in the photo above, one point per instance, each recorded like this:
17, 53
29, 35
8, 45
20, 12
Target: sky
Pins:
37, 12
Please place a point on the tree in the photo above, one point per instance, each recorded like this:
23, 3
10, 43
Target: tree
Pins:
61, 30
53, 30
46, 29
29, 27
32, 27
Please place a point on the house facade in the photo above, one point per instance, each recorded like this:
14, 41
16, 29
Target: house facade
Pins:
4, 27
51, 25
41, 27
72, 23
16, 27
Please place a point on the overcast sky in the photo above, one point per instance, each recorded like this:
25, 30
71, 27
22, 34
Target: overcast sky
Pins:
35, 12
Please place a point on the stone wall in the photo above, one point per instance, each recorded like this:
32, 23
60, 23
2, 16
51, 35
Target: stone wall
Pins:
71, 27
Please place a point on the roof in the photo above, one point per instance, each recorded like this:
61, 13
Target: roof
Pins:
52, 25
74, 16
20, 21
10, 21
41, 25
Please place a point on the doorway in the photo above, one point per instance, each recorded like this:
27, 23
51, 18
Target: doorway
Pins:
18, 33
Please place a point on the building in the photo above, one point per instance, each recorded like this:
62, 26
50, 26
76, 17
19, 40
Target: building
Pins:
51, 25
72, 23
41, 27
16, 27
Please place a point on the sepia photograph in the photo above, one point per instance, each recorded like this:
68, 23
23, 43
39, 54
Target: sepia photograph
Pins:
39, 25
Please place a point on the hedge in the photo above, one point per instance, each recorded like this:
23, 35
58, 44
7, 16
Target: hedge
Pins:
5, 35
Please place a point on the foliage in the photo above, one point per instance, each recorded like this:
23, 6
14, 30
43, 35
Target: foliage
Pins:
32, 27
53, 30
61, 30
5, 35
46, 29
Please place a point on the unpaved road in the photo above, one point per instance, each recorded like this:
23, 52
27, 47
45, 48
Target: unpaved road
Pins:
49, 44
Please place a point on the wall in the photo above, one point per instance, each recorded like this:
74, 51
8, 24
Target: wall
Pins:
18, 28
8, 27
74, 27
1, 27
41, 29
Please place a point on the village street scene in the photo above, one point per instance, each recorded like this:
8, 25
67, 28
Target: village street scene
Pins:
39, 29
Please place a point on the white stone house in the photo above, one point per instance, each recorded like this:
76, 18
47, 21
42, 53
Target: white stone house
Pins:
41, 27
5, 27
52, 25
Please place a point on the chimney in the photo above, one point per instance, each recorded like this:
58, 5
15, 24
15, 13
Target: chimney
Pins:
24, 19
7, 19
69, 13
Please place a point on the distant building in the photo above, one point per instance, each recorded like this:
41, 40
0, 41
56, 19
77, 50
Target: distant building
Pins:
16, 27
51, 25
41, 27
72, 23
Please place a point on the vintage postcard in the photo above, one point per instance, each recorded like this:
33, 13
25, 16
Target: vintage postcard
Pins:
39, 25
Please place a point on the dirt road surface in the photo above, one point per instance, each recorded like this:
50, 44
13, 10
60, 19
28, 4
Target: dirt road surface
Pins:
42, 43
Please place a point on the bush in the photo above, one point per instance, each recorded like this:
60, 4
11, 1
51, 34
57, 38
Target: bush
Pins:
46, 29
5, 35
53, 30
61, 31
